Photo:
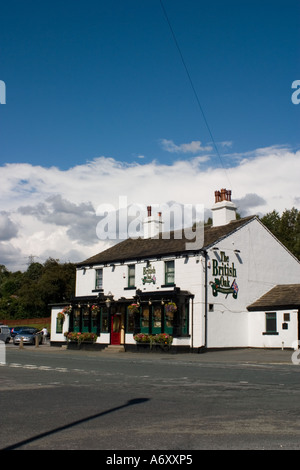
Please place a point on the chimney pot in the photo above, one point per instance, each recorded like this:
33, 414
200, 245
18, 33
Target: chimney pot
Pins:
217, 196
152, 224
223, 194
224, 210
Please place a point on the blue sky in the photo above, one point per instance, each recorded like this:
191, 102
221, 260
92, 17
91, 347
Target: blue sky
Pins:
99, 104
92, 78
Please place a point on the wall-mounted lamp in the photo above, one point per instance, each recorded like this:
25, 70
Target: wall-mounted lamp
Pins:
108, 302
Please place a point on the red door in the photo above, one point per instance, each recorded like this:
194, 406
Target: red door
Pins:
115, 332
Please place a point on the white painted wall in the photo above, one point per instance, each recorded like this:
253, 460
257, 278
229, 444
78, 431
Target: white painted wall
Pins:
58, 337
261, 264
285, 338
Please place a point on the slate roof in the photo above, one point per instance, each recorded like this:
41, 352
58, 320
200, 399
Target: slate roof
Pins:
283, 296
140, 248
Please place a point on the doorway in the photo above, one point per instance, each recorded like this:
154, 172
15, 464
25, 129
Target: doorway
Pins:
115, 331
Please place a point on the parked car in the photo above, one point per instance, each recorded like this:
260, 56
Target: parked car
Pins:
28, 335
5, 333
15, 330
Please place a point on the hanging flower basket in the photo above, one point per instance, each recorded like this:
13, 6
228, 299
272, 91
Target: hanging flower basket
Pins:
67, 310
171, 307
133, 308
95, 310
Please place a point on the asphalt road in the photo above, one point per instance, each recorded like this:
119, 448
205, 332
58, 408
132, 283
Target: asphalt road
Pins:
58, 399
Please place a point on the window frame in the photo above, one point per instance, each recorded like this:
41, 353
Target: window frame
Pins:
131, 276
169, 271
270, 322
98, 285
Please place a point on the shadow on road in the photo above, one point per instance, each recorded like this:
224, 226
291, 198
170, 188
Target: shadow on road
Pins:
134, 401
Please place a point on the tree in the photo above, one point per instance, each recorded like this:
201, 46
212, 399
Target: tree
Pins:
286, 228
28, 294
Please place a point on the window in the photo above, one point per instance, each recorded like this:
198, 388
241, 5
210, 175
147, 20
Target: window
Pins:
185, 320
59, 326
156, 318
169, 322
145, 319
130, 321
131, 275
271, 323
104, 320
76, 320
85, 327
169, 273
99, 279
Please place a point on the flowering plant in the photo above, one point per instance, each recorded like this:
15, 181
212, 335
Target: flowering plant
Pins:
80, 337
171, 307
67, 310
95, 309
162, 338
133, 308
142, 338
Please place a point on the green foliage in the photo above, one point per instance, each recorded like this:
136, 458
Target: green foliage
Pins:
28, 294
286, 228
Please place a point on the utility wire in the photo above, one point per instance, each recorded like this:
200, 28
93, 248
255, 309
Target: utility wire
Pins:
193, 87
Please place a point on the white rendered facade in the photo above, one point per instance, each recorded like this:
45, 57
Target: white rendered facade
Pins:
213, 288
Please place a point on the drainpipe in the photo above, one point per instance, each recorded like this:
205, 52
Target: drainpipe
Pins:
192, 332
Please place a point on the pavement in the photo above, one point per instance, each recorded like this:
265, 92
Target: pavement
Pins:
243, 355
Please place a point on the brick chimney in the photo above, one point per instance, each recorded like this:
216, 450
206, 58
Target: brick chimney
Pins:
224, 210
152, 224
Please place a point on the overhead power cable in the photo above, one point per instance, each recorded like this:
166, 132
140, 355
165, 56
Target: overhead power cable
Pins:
193, 87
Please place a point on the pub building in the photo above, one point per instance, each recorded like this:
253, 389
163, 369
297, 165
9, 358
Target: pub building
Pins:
223, 291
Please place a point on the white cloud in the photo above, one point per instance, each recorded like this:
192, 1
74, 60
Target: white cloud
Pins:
193, 147
50, 212
226, 143
8, 229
